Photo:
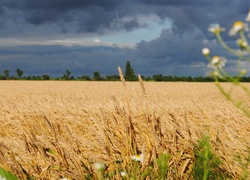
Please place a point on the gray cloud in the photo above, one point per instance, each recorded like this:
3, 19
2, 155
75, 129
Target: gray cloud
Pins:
107, 15
176, 51
54, 60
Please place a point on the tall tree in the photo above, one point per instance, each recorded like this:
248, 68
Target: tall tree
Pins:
19, 72
45, 77
66, 75
97, 76
129, 72
6, 73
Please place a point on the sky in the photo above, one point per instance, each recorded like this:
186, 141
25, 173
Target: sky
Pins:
83, 36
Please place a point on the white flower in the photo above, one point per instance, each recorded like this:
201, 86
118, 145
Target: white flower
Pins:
217, 62
215, 28
138, 158
2, 178
123, 174
99, 166
205, 51
238, 26
242, 43
248, 16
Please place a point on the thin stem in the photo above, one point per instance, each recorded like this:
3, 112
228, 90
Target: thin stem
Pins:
242, 35
234, 52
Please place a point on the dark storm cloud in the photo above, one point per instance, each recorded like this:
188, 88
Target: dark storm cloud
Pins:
171, 54
85, 16
176, 51
108, 15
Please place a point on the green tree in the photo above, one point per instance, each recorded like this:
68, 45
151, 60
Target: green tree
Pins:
45, 77
2, 77
85, 78
66, 75
6, 74
158, 77
19, 72
129, 72
112, 78
97, 76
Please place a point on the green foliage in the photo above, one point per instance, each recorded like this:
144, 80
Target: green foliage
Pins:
112, 78
66, 76
244, 166
134, 170
45, 77
85, 78
6, 73
97, 76
206, 163
2, 77
129, 72
19, 72
162, 163
6, 175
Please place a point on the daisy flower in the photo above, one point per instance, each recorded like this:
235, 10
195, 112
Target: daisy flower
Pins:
217, 62
139, 158
215, 28
238, 26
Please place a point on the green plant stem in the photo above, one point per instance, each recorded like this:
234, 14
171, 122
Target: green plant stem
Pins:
205, 163
234, 52
242, 35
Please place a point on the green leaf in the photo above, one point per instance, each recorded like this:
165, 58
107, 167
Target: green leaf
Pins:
6, 175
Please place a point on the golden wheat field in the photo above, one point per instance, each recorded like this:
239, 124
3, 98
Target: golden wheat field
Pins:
59, 129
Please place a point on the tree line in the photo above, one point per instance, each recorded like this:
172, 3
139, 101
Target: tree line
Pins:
129, 76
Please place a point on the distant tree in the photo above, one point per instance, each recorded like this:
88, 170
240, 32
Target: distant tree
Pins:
158, 77
2, 77
33, 78
28, 78
168, 78
112, 78
6, 74
148, 78
19, 72
199, 79
38, 77
209, 79
189, 79
129, 72
85, 78
66, 76
97, 76
45, 77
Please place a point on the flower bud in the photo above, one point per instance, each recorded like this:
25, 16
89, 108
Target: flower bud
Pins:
205, 51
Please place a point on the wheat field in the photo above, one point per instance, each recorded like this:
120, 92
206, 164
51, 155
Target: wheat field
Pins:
59, 129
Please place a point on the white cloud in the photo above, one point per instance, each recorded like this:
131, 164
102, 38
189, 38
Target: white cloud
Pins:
97, 41
63, 42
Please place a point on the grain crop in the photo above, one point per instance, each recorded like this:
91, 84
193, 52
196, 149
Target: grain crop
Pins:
56, 129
